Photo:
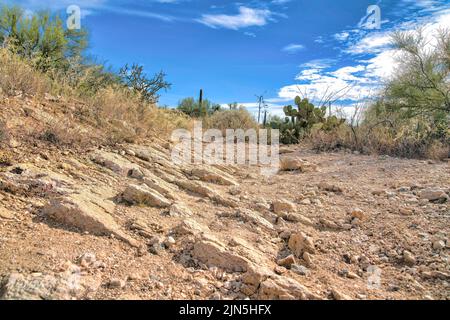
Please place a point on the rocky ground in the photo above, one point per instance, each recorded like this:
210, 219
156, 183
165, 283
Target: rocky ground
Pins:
125, 223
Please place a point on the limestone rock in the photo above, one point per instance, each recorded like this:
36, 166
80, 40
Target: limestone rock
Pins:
296, 164
190, 227
287, 262
300, 243
283, 206
6, 214
434, 195
209, 175
63, 286
195, 187
283, 288
337, 295
179, 210
87, 214
215, 254
166, 189
114, 162
253, 217
142, 194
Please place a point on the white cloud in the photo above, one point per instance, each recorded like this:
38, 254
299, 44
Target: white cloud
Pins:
247, 17
370, 44
342, 36
293, 48
250, 34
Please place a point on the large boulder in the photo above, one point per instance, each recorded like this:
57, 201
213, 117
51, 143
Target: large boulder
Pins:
86, 213
67, 285
215, 254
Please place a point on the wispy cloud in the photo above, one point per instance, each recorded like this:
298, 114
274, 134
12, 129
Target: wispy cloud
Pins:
293, 48
247, 17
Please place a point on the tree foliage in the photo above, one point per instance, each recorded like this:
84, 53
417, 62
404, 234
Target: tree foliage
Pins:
40, 38
421, 85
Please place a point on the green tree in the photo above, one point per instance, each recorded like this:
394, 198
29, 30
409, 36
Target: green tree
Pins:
40, 38
421, 85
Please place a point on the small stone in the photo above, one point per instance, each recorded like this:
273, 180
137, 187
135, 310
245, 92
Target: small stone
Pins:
337, 295
136, 174
358, 213
280, 270
408, 258
134, 277
287, 262
352, 275
169, 242
405, 212
6, 214
216, 296
156, 248
438, 245
283, 206
87, 260
301, 270
305, 202
308, 259
434, 195
116, 284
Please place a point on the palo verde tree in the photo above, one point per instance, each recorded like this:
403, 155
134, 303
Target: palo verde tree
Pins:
420, 88
40, 38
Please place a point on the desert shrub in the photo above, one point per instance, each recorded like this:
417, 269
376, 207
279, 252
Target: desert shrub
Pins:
231, 119
64, 133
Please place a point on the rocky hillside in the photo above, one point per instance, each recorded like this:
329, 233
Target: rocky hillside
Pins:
123, 222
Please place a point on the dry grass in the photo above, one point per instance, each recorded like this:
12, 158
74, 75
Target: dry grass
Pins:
110, 116
399, 142
17, 77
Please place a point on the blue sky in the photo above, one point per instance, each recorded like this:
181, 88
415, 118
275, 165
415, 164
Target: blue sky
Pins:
235, 50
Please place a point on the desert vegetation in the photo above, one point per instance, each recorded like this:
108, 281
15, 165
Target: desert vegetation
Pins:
410, 116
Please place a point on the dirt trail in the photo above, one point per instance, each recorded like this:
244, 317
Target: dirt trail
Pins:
125, 223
